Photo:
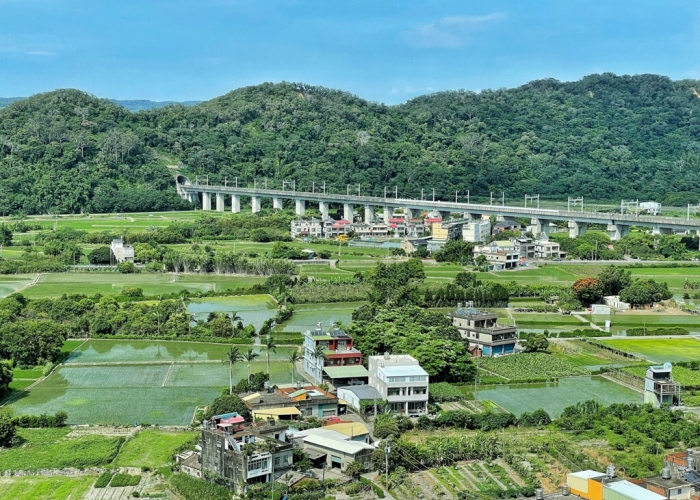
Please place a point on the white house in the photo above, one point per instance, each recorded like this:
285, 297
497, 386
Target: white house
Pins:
401, 381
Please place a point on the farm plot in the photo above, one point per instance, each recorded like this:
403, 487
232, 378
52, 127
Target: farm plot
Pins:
584, 354
121, 351
307, 316
554, 397
164, 394
10, 284
530, 366
659, 350
684, 376
45, 488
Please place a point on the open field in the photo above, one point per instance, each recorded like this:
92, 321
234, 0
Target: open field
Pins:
51, 449
45, 488
659, 350
647, 318
554, 397
528, 366
101, 351
165, 394
580, 353
152, 448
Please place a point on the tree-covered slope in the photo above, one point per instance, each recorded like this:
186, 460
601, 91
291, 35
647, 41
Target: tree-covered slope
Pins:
604, 137
66, 151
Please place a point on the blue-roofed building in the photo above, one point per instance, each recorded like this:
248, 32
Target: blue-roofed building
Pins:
401, 382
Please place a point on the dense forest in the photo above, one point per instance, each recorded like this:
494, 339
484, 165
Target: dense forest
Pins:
605, 137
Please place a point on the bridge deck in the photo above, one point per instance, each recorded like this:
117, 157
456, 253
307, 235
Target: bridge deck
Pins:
506, 210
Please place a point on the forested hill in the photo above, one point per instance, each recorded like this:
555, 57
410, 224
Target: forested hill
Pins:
604, 137
130, 104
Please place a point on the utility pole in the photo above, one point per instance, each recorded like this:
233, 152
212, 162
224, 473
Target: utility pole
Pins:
421, 194
467, 196
433, 194
387, 450
491, 202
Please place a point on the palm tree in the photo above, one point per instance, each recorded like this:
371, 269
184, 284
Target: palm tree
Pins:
233, 316
320, 355
249, 357
269, 346
293, 358
232, 356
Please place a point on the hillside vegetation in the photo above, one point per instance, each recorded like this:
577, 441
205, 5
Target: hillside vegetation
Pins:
605, 137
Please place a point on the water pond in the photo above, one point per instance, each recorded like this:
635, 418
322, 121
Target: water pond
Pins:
254, 309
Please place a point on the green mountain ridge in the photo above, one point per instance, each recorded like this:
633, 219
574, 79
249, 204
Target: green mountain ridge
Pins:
604, 137
130, 104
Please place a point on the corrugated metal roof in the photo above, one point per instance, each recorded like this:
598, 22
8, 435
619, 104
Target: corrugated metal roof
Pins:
276, 412
350, 429
346, 371
363, 392
632, 491
347, 447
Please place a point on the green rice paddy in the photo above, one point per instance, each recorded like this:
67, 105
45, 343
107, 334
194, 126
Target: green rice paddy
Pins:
126, 351
306, 316
253, 309
157, 382
659, 350
57, 284
554, 397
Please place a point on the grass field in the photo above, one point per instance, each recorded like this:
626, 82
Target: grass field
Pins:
659, 350
580, 353
152, 448
51, 449
45, 488
648, 319
164, 394
556, 396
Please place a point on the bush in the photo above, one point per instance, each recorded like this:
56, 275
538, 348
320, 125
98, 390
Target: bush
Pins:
120, 480
103, 480
443, 391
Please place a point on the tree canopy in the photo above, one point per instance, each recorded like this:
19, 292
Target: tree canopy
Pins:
605, 136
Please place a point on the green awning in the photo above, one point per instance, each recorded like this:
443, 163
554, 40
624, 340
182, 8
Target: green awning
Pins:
335, 372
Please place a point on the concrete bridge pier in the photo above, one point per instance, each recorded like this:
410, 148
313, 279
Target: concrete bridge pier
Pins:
618, 231
445, 215
577, 228
386, 214
235, 204
658, 230
323, 208
369, 213
348, 212
206, 200
408, 213
219, 202
540, 226
277, 203
255, 204
299, 207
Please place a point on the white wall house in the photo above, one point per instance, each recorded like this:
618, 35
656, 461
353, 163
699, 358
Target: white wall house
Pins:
401, 381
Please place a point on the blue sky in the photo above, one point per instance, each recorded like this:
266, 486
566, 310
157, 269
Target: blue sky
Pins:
382, 50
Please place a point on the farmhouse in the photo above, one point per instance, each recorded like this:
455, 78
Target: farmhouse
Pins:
482, 331
401, 382
338, 351
121, 252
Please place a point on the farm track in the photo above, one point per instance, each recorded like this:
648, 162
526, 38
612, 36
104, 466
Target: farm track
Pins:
490, 475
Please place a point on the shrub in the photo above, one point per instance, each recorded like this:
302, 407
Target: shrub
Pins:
120, 480
103, 480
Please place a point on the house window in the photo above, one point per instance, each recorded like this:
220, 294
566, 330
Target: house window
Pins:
260, 463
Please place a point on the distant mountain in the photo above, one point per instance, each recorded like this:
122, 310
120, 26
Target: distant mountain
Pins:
130, 104
6, 101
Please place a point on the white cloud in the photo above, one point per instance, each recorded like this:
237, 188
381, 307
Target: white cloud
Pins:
450, 31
